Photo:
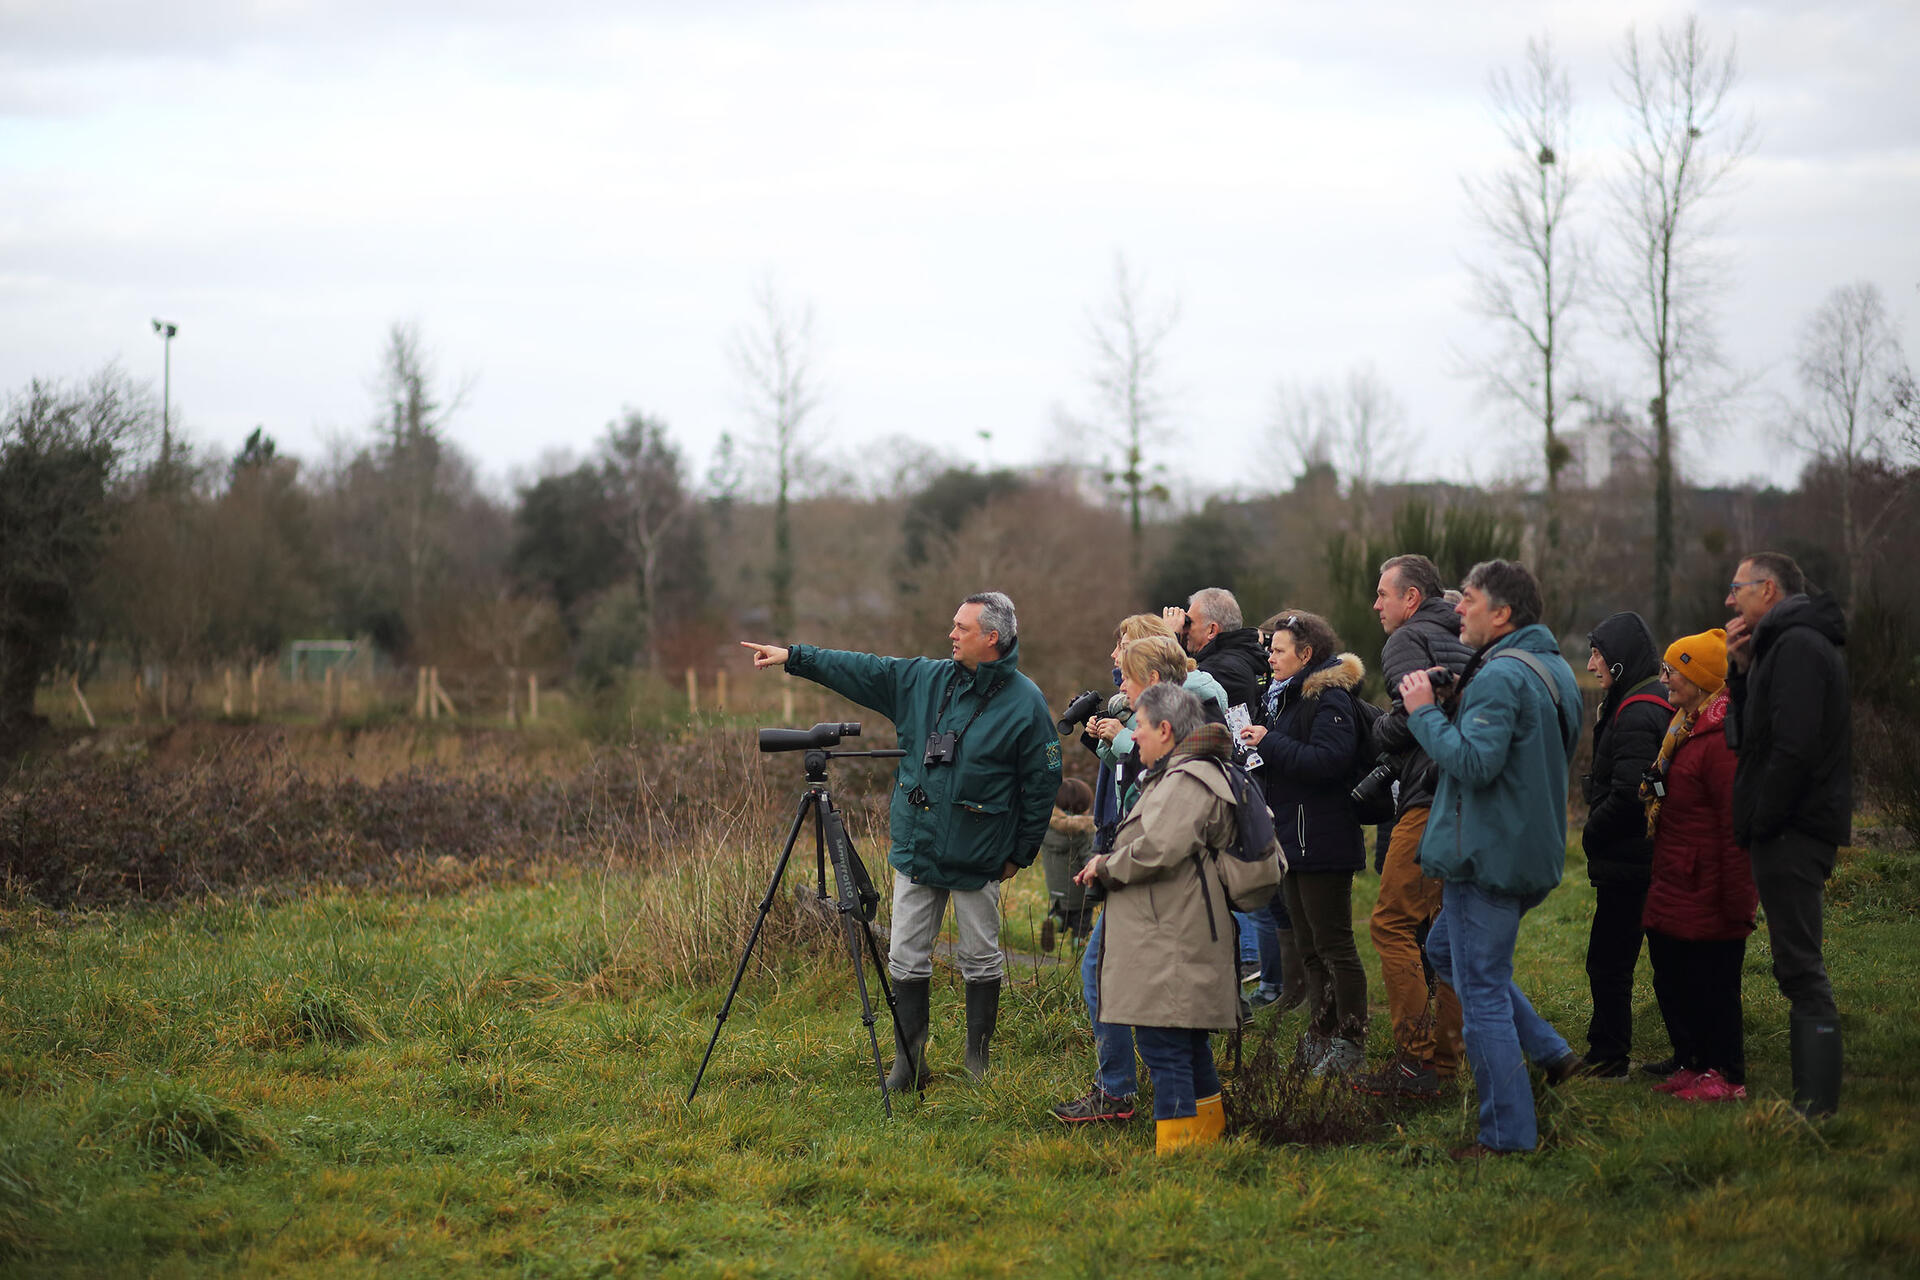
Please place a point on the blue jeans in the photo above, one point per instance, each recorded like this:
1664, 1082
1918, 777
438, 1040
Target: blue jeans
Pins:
1112, 1045
1253, 947
1471, 946
1182, 1064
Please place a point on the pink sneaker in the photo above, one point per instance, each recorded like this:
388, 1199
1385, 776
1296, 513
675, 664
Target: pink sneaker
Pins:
1712, 1087
1684, 1078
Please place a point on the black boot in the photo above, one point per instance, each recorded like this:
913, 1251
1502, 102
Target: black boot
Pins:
909, 1035
983, 1010
1813, 1045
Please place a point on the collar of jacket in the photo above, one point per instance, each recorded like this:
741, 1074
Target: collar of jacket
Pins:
1438, 613
1341, 671
987, 674
1534, 637
1208, 742
1822, 613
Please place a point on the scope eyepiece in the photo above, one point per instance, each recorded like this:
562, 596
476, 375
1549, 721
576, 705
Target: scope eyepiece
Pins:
825, 734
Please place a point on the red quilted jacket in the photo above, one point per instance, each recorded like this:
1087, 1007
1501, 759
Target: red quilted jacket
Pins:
1702, 881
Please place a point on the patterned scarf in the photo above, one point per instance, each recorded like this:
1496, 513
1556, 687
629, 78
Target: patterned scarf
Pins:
1677, 734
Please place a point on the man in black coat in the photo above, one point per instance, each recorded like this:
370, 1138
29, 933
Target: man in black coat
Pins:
1632, 723
1212, 629
1423, 632
1791, 726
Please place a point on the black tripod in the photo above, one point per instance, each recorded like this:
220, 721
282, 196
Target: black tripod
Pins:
855, 899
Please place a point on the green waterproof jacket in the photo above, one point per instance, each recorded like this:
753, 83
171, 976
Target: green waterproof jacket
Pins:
991, 805
1499, 816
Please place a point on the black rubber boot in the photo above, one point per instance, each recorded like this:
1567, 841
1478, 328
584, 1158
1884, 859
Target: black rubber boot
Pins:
909, 1035
1813, 1045
983, 1011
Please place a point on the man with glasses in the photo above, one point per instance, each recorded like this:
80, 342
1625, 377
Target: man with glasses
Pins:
1213, 631
1790, 725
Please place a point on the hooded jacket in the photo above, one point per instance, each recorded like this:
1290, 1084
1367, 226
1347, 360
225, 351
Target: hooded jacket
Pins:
1168, 959
1307, 762
1430, 638
1792, 726
1702, 886
1499, 816
991, 805
1239, 662
1626, 738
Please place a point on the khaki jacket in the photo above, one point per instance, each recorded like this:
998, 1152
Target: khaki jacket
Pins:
1168, 959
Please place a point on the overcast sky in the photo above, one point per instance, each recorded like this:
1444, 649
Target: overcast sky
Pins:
574, 202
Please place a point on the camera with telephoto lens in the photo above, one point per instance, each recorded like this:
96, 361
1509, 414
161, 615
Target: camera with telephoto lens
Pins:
941, 748
1440, 678
1085, 706
1374, 793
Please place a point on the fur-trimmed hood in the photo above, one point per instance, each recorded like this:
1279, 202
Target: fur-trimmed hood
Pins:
1346, 671
1070, 824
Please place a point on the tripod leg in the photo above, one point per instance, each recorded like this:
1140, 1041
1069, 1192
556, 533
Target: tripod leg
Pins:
809, 800
835, 840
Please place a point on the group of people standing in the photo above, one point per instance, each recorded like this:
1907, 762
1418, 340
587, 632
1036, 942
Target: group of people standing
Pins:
1720, 780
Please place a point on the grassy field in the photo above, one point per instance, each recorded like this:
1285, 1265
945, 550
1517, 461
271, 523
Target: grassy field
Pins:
454, 1077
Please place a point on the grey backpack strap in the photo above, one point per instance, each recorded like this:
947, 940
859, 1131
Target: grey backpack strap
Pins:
1538, 668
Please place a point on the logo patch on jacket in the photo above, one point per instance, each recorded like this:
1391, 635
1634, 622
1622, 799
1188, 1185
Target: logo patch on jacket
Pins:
1053, 755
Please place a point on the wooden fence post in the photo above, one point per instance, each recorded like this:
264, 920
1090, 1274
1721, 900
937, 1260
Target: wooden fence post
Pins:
329, 696
440, 695
786, 699
693, 693
226, 698
420, 693
513, 698
720, 690
253, 698
533, 697
81, 698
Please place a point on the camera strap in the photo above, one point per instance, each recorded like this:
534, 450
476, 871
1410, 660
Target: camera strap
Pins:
947, 700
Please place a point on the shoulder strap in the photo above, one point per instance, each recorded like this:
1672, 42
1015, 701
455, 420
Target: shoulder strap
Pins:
1653, 698
1538, 668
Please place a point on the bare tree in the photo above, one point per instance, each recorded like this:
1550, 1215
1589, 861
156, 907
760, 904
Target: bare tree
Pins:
1358, 428
1533, 276
412, 457
1850, 368
1683, 142
1127, 338
649, 499
774, 358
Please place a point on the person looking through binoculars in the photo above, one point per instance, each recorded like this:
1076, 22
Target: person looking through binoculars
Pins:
970, 806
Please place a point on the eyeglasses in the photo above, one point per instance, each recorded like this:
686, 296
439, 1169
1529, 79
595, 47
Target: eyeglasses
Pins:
1736, 584
1665, 671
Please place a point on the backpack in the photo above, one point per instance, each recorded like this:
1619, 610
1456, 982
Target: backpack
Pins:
1250, 868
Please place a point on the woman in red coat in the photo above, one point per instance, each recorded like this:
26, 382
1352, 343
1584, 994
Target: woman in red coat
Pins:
1701, 901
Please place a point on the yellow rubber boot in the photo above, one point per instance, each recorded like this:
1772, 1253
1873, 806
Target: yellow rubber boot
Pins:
1171, 1135
1213, 1118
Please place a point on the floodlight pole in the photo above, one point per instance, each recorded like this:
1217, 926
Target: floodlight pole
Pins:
166, 330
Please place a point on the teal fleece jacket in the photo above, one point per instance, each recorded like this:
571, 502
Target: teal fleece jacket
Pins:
1499, 817
989, 807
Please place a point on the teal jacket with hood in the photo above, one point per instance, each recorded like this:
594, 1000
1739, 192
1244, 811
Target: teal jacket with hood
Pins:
1499, 816
990, 806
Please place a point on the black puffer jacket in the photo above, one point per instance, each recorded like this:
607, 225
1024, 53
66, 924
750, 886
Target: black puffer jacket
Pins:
1307, 761
1792, 726
1430, 638
1237, 661
1626, 738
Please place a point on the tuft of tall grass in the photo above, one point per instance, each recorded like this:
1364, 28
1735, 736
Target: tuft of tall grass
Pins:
167, 1122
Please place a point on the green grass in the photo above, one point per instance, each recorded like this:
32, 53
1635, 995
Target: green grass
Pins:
495, 1080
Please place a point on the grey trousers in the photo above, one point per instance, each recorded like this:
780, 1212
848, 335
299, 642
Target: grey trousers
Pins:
1791, 871
917, 912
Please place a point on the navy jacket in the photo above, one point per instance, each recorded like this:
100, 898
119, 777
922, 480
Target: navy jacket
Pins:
1307, 764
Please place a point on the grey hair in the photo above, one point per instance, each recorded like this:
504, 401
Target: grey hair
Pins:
1219, 606
1509, 583
1169, 704
996, 615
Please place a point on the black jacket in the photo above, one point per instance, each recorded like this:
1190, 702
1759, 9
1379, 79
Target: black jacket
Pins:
1430, 638
1237, 661
1626, 738
1792, 726
1307, 761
